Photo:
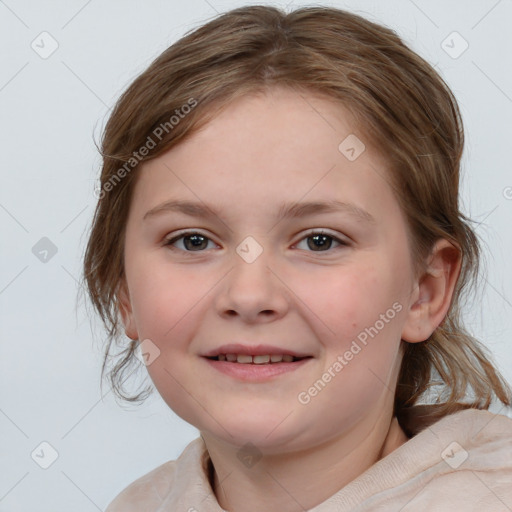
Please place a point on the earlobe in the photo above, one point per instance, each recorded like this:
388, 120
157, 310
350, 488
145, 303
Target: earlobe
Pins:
125, 309
433, 292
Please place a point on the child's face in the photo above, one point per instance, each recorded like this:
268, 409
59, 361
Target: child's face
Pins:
300, 294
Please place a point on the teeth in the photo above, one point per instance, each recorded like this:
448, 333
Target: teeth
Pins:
261, 359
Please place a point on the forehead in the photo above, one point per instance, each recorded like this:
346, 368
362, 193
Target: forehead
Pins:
269, 147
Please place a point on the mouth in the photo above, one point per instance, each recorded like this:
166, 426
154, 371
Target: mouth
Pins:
257, 359
255, 363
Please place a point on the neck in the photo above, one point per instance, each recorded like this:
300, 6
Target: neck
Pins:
289, 481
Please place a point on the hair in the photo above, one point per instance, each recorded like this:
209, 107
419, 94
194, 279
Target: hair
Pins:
401, 106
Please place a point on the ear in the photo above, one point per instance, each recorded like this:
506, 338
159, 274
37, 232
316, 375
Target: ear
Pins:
433, 292
125, 308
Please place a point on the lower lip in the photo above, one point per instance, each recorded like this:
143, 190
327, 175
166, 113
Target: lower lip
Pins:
255, 372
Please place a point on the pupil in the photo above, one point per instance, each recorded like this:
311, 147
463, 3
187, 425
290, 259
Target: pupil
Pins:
321, 241
196, 240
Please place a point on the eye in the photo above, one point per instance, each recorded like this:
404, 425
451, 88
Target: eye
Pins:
191, 241
319, 241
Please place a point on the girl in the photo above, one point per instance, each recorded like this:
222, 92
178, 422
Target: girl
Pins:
278, 234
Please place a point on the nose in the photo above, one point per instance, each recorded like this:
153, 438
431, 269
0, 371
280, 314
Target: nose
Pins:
254, 292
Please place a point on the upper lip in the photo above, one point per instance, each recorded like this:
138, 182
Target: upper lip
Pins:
253, 350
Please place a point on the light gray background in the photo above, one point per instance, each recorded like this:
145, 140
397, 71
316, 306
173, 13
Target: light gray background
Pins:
50, 109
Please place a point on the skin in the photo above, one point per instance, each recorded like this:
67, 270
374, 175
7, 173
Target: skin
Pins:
262, 150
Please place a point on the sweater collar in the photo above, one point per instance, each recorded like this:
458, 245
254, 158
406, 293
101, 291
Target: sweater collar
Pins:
192, 490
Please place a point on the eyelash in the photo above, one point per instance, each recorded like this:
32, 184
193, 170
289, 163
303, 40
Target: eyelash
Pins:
170, 241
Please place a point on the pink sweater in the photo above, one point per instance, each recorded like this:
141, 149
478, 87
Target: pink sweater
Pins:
463, 462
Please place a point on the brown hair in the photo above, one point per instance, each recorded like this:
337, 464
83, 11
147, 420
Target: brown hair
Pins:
403, 107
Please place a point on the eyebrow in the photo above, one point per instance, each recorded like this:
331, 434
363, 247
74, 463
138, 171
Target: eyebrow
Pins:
285, 211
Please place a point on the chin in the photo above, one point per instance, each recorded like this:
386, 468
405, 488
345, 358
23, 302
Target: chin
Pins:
267, 433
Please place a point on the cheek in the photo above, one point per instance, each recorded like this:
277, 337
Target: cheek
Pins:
356, 313
167, 304
344, 300
163, 297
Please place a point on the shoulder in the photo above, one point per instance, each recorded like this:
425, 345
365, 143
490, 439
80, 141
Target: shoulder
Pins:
475, 440
476, 425
150, 490
481, 436
415, 419
461, 462
475, 470
147, 492
468, 458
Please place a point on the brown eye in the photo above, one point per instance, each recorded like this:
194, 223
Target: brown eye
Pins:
190, 242
321, 242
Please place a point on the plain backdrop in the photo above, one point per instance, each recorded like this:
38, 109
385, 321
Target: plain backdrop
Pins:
52, 107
